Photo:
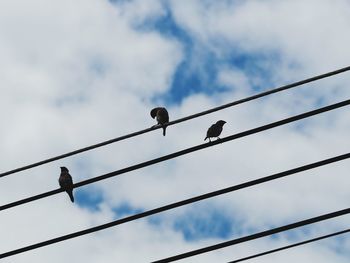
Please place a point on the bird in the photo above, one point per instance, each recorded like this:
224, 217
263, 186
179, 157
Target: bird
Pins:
66, 182
215, 130
162, 117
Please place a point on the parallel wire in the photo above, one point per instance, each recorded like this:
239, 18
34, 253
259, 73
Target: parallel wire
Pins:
234, 103
255, 236
291, 246
182, 152
176, 205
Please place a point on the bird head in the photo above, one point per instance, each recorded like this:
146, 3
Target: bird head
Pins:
221, 122
154, 112
64, 169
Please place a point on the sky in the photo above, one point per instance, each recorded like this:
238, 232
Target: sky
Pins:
75, 73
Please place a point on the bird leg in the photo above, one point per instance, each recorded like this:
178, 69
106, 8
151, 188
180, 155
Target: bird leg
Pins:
157, 125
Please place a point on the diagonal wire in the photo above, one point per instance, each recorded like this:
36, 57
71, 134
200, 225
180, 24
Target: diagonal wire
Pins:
182, 152
255, 236
231, 104
176, 204
291, 246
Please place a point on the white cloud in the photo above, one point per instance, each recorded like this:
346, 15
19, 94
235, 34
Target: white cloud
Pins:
74, 73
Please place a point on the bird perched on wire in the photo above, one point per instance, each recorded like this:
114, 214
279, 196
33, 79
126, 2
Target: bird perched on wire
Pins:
162, 117
66, 182
215, 130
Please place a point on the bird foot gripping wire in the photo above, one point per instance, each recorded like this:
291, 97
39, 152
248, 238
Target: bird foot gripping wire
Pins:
156, 126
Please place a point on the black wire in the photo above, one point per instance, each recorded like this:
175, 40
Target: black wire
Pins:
182, 152
177, 204
291, 246
254, 236
256, 96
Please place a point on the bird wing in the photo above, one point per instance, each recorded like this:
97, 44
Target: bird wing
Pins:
210, 131
65, 180
162, 116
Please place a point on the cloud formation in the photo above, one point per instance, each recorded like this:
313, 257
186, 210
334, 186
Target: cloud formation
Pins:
75, 73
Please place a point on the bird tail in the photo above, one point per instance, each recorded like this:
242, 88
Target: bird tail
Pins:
164, 128
206, 138
70, 193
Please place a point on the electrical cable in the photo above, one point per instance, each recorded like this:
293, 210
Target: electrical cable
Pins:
180, 153
231, 104
291, 246
175, 205
254, 236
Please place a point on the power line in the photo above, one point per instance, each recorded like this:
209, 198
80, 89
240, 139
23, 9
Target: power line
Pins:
231, 104
182, 152
291, 246
177, 204
254, 236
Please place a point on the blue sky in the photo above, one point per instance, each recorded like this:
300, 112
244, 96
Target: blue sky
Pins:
199, 68
192, 78
188, 79
72, 79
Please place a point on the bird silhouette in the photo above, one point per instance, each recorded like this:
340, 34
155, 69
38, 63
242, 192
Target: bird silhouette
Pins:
162, 117
66, 182
215, 130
